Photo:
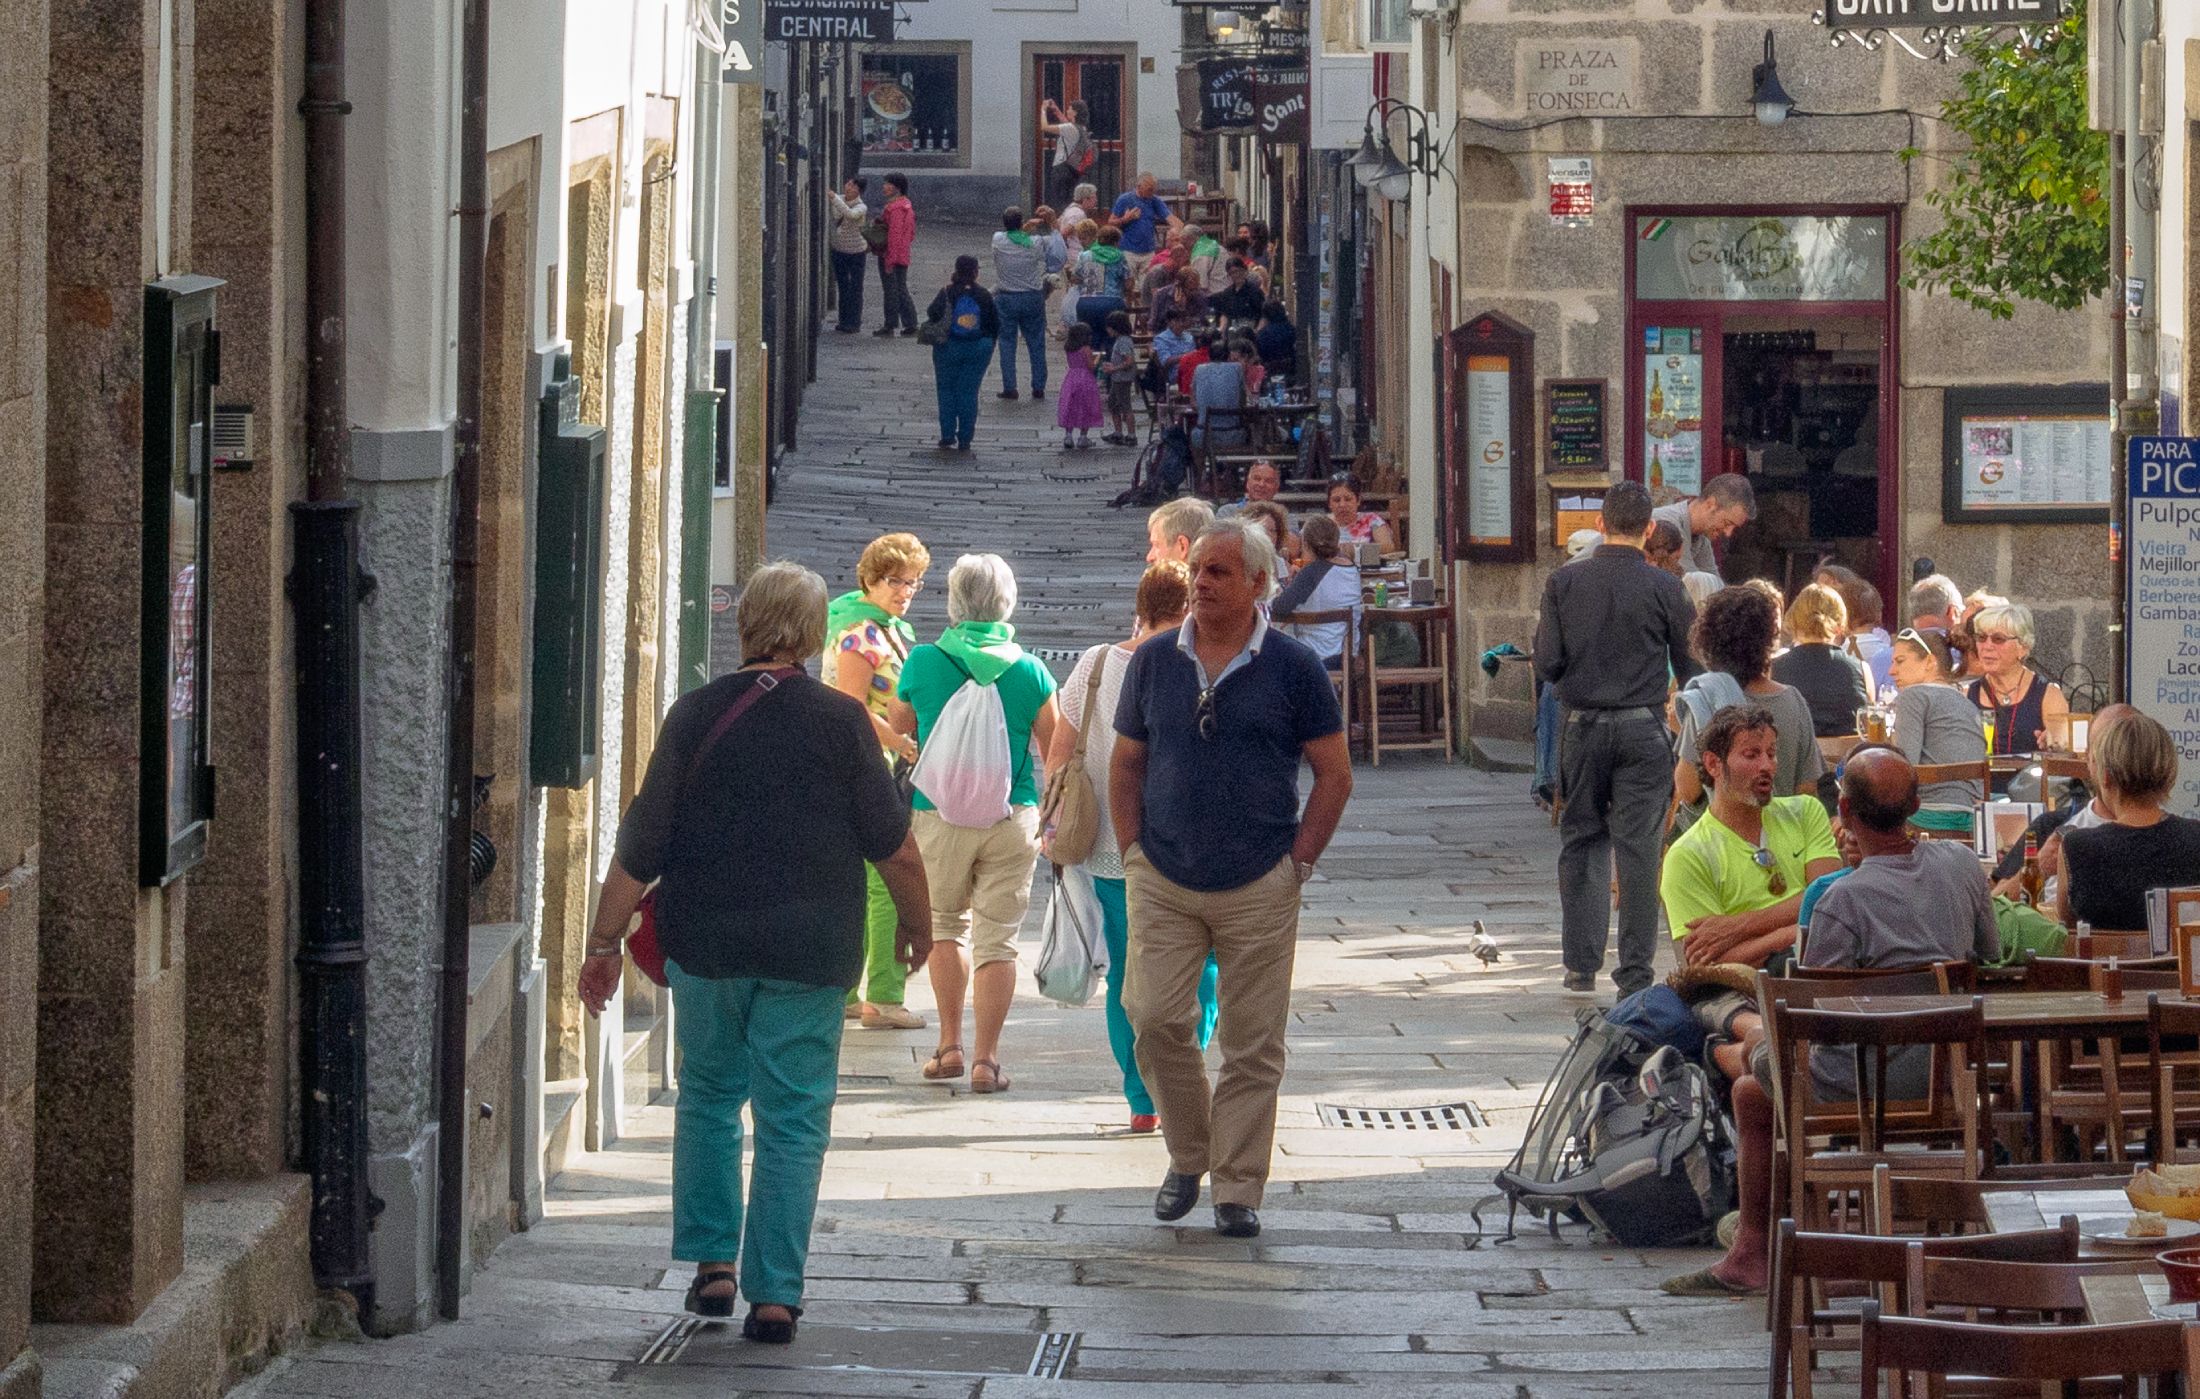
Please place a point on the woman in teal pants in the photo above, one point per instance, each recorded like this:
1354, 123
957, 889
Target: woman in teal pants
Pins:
764, 798
1164, 596
959, 360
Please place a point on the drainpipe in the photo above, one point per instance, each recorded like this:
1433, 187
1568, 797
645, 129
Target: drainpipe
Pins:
326, 586
458, 795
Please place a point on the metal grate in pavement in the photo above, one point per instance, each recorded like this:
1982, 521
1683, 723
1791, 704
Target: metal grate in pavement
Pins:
1052, 1357
922, 1356
666, 1346
1443, 1117
1034, 605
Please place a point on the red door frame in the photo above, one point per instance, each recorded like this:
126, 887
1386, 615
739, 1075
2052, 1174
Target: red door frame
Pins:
1713, 314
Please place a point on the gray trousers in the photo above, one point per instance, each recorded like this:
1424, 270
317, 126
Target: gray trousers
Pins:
1616, 777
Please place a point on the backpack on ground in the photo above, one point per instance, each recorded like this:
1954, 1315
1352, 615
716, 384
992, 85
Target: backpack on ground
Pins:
966, 770
965, 319
1629, 1136
1145, 489
1073, 951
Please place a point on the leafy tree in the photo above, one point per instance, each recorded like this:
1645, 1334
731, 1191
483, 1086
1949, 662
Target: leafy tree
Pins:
2026, 205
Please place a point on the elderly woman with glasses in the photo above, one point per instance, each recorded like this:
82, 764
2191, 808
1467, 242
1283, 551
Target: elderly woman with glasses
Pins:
980, 875
764, 798
1933, 721
2017, 702
866, 640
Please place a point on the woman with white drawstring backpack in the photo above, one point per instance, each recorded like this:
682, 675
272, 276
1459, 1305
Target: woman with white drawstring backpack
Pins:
985, 712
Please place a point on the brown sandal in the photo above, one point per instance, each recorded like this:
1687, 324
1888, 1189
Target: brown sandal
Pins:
936, 1067
996, 1082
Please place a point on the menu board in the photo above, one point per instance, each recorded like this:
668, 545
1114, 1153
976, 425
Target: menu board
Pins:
1672, 376
2035, 454
1574, 425
1490, 449
2162, 591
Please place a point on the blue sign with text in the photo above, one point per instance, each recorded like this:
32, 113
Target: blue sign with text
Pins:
2162, 595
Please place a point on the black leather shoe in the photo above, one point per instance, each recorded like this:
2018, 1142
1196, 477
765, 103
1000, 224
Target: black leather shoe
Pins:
1007, 393
1178, 1193
1237, 1221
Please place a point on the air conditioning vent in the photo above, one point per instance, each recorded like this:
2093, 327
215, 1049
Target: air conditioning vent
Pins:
233, 433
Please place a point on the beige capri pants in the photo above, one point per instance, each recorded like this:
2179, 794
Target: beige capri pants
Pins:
980, 879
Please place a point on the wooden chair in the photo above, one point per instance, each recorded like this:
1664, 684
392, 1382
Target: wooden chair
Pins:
2102, 1094
1434, 672
2170, 1020
2154, 1350
1835, 748
1957, 1114
1981, 772
1985, 1289
1939, 1206
1808, 1268
1341, 677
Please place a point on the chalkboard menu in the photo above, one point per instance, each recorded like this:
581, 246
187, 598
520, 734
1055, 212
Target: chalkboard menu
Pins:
1573, 425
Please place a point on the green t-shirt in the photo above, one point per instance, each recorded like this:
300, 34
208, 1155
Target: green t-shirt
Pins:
1709, 869
928, 677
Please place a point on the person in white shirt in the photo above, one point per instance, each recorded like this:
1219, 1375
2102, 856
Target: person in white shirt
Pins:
1072, 134
1326, 584
849, 248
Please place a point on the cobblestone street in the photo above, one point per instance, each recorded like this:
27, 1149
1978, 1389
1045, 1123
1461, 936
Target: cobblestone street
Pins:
1005, 1246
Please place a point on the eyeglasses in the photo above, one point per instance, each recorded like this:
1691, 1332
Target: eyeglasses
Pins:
1778, 883
1204, 713
1994, 638
907, 585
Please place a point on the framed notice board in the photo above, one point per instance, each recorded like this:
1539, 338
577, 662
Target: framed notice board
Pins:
1489, 402
1574, 425
2032, 452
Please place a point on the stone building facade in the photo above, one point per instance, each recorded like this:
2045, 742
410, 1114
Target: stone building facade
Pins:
1766, 260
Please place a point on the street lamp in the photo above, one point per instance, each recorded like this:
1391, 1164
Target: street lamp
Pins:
1377, 167
1766, 94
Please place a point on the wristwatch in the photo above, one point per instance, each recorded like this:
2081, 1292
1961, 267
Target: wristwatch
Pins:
1304, 869
613, 950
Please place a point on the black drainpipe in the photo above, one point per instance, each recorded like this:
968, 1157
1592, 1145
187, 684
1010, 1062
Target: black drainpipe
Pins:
458, 812
326, 587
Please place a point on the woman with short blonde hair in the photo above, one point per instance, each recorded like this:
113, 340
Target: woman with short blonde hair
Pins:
2108, 870
1833, 682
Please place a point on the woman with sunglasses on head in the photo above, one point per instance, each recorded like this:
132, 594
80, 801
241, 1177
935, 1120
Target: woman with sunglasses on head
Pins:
2019, 702
1933, 721
866, 640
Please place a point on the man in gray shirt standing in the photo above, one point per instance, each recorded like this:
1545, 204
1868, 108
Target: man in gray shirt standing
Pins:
1727, 503
1020, 296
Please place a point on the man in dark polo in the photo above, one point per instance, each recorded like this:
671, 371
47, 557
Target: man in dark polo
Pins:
1203, 787
1613, 630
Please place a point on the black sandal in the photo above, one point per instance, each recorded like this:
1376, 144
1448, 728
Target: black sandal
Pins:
711, 1306
770, 1333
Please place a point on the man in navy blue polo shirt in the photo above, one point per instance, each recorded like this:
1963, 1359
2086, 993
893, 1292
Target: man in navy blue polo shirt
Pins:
1145, 220
1203, 789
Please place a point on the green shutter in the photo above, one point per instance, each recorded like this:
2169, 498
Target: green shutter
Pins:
567, 702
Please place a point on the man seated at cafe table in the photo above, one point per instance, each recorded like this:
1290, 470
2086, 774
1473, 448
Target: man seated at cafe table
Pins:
1733, 882
1907, 903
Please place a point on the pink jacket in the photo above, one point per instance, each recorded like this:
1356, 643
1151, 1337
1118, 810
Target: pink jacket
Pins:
901, 230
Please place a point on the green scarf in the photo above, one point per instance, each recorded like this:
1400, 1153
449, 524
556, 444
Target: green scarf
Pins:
849, 609
1105, 255
1021, 240
985, 649
1205, 247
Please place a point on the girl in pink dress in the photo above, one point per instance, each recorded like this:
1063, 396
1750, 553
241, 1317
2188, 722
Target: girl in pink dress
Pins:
1077, 406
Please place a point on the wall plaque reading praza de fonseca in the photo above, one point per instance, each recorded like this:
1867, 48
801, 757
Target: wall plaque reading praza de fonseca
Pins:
1579, 77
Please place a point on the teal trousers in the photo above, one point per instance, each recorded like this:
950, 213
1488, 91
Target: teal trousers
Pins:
885, 979
774, 1045
1115, 925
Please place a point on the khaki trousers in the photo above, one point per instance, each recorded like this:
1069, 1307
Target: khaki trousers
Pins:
980, 879
1253, 933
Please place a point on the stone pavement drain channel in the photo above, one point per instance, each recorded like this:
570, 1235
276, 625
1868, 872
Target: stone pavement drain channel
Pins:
959, 1237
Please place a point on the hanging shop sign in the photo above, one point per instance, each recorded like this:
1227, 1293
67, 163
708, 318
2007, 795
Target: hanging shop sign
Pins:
862, 21
1282, 99
1219, 96
1752, 257
2033, 452
743, 26
1489, 451
1573, 190
2162, 597
1921, 14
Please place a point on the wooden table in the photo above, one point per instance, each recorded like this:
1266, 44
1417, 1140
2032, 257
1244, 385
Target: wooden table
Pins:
2109, 1299
2024, 1015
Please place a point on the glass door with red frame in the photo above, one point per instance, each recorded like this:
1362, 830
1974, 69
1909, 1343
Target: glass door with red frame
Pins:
1097, 81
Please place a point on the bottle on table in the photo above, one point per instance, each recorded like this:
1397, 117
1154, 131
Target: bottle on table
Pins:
2032, 879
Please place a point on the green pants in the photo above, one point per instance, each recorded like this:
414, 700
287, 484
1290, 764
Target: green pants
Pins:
774, 1045
885, 980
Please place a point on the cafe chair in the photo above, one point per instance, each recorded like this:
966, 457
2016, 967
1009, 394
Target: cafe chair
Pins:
1433, 675
1980, 772
1955, 1141
2099, 1094
1940, 1206
2005, 1293
2172, 1109
1816, 1279
2149, 1350
1342, 677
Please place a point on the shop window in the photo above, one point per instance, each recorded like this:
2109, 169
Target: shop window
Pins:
1388, 25
916, 106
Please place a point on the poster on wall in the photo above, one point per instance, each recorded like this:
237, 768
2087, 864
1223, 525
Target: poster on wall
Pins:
2162, 585
2026, 452
911, 103
1672, 376
1490, 449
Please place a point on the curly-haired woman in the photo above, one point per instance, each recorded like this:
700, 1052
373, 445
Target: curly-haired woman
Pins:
1734, 636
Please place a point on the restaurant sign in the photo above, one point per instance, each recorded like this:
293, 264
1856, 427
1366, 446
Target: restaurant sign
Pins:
1283, 110
1921, 14
860, 21
2162, 592
1221, 97
1761, 258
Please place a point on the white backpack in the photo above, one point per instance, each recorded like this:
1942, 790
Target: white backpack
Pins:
1073, 955
965, 770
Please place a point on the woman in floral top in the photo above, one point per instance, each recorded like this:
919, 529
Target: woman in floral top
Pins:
866, 641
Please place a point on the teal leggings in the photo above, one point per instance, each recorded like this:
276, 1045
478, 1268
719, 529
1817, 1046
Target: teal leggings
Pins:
1115, 925
774, 1045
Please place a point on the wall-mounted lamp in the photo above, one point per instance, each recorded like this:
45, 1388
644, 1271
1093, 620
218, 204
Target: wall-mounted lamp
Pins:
1377, 167
1765, 92
1223, 23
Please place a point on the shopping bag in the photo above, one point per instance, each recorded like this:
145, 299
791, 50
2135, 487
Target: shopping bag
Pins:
1073, 952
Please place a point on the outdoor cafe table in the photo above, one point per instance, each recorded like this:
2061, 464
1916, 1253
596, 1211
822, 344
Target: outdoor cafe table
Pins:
2024, 1015
2110, 1298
